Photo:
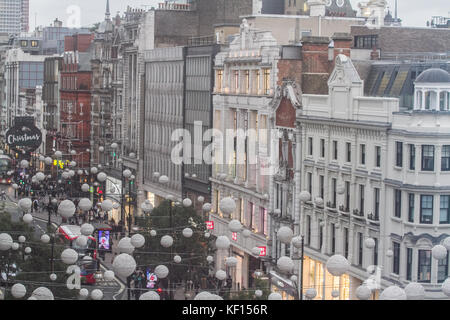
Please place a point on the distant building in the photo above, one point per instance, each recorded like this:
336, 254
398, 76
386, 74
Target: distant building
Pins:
14, 16
331, 8
439, 22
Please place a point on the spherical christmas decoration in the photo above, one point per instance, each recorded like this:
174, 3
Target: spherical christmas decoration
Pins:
45, 238
227, 205
177, 259
163, 179
221, 275
85, 187
285, 264
124, 265
15, 186
258, 293
318, 201
87, 229
65, 175
369, 243
187, 232
446, 287
235, 226
109, 275
209, 259
85, 204
66, 209
335, 293
187, 202
393, 293
125, 245
222, 242
27, 218
207, 235
25, 204
285, 235
439, 252
5, 241
53, 277
18, 291
137, 240
80, 172
82, 241
73, 164
161, 271
363, 292
246, 233
94, 170
71, 173
203, 296
275, 296
15, 246
311, 293
153, 233
97, 294
84, 293
48, 161
297, 242
24, 164
337, 265
127, 173
207, 207
305, 196
166, 241
107, 205
22, 239
40, 176
415, 291
151, 295
146, 206
201, 199
69, 256
101, 176
27, 250
231, 262
42, 293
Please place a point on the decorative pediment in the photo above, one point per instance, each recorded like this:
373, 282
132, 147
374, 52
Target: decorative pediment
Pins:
286, 101
344, 73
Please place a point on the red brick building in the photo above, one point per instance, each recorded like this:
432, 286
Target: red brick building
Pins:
75, 99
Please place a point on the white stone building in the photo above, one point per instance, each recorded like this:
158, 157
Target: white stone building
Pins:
374, 172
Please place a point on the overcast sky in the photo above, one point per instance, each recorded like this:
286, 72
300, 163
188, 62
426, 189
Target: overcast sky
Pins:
413, 12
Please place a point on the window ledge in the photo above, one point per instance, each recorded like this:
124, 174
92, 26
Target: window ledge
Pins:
398, 168
397, 219
427, 172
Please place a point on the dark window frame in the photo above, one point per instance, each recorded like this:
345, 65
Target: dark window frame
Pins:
422, 216
428, 161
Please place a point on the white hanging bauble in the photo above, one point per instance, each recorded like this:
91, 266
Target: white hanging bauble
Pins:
335, 293
222, 242
107, 205
87, 229
124, 265
446, 287
275, 296
53, 277
231, 262
101, 148
25, 204
137, 240
108, 275
81, 241
27, 250
153, 233
210, 259
40, 176
15, 246
207, 207
258, 293
166, 241
102, 177
125, 245
45, 238
187, 203
15, 186
94, 170
6, 241
147, 206
207, 235
297, 242
85, 204
187, 232
389, 253
48, 161
201, 199
393, 293
446, 243
363, 292
311, 293
246, 233
42, 293
97, 294
18, 291
369, 243
304, 196
318, 201
161, 271
285, 264
84, 293
151, 295
24, 164
27, 218
22, 239
221, 275
85, 187
235, 226
204, 295
163, 179
177, 259
439, 252
285, 235
227, 205
69, 256
66, 209
337, 265
80, 172
415, 291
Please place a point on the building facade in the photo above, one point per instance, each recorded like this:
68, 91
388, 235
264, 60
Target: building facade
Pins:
14, 16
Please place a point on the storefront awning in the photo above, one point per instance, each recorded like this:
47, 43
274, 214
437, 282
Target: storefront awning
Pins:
283, 284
